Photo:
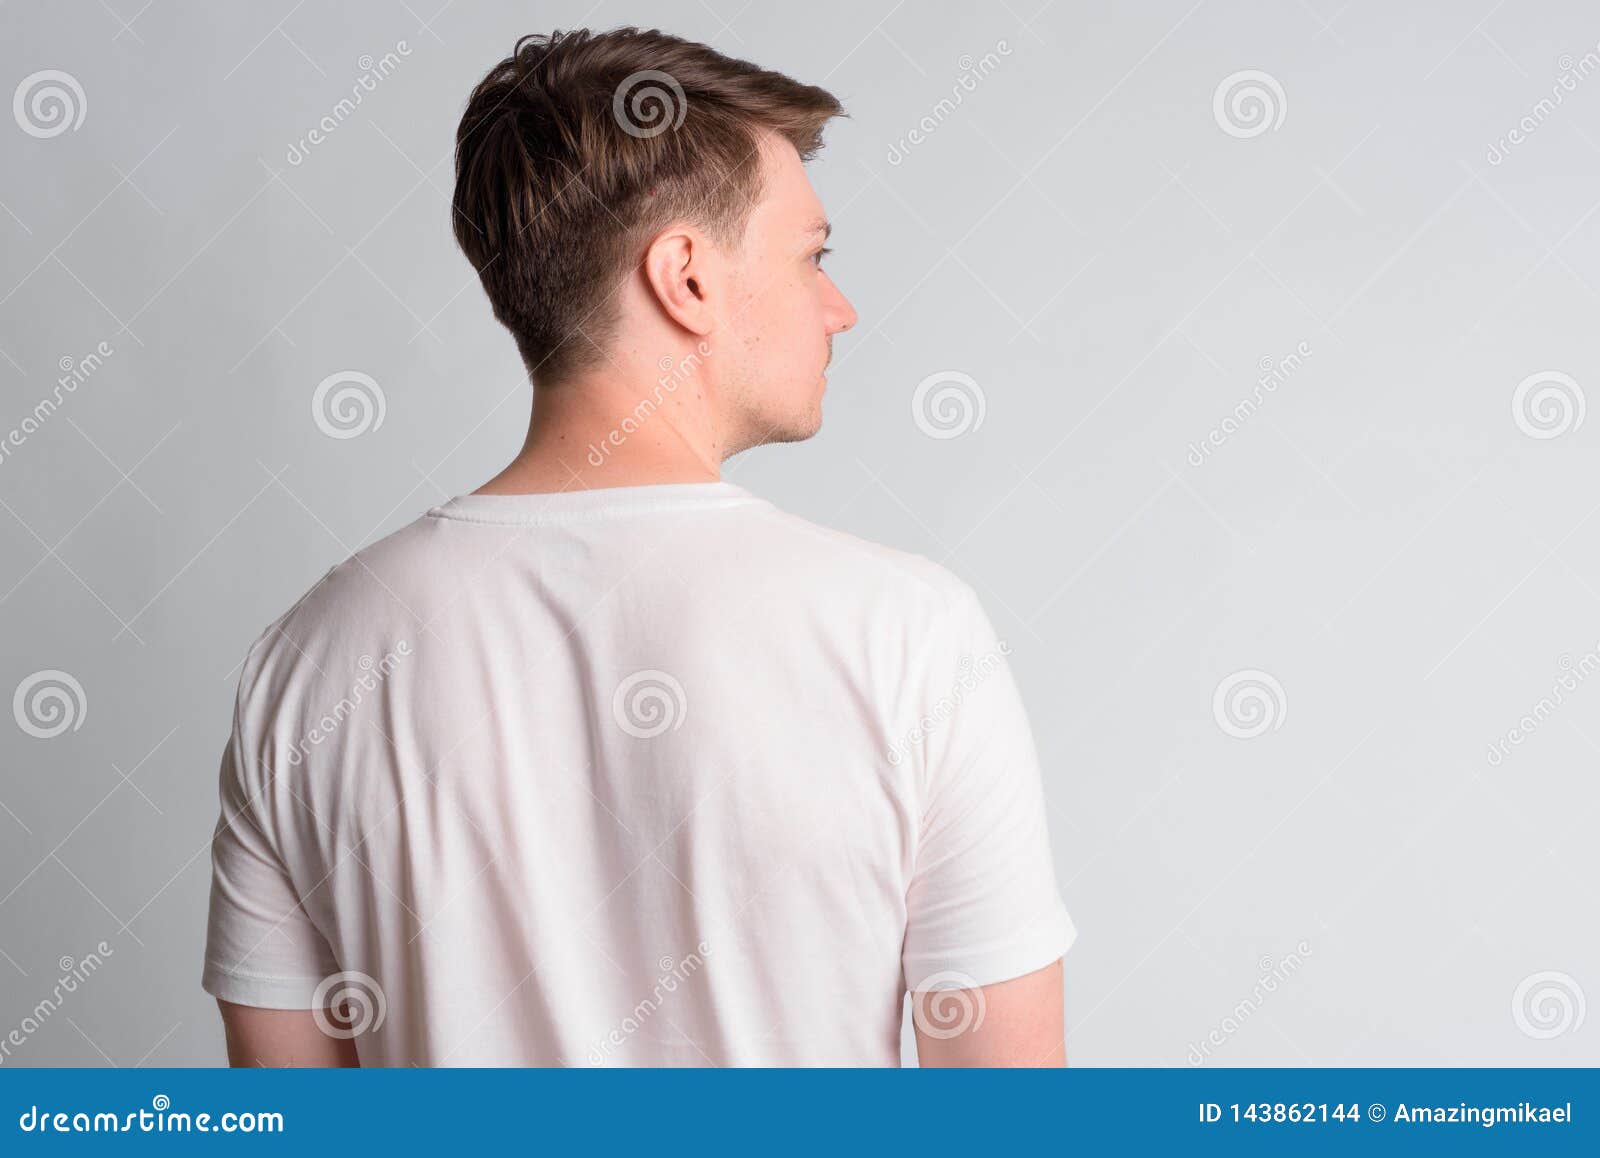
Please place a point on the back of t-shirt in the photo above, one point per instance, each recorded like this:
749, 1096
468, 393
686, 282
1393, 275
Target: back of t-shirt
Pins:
643, 776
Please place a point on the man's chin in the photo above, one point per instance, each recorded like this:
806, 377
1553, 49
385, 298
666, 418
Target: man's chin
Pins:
802, 429
790, 428
791, 434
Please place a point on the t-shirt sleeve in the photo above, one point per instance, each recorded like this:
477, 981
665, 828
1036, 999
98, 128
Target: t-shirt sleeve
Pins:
983, 905
262, 948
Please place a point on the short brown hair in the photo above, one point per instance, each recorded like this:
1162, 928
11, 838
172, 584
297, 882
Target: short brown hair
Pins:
579, 146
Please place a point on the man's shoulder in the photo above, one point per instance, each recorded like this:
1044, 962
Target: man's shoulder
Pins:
855, 563
390, 577
383, 594
390, 592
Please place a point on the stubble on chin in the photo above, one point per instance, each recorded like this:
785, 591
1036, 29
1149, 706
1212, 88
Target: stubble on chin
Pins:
769, 429
798, 428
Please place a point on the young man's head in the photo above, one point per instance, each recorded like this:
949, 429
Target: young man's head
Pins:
631, 199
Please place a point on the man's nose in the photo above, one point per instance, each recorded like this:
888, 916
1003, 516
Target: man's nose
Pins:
843, 314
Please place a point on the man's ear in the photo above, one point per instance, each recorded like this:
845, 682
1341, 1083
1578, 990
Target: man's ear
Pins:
681, 269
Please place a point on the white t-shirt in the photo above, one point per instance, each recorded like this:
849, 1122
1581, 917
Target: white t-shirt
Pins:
651, 775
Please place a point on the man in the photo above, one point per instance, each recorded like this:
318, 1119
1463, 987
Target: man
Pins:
610, 762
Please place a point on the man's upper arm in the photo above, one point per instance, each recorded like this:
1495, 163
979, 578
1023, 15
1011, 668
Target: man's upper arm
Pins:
1010, 1023
266, 962
985, 925
282, 1037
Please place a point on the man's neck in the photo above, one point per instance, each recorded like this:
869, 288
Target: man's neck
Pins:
598, 432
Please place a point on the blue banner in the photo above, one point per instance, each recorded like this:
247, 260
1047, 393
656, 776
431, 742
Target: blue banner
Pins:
1079, 1111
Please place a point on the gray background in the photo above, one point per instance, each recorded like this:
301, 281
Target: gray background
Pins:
1085, 241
